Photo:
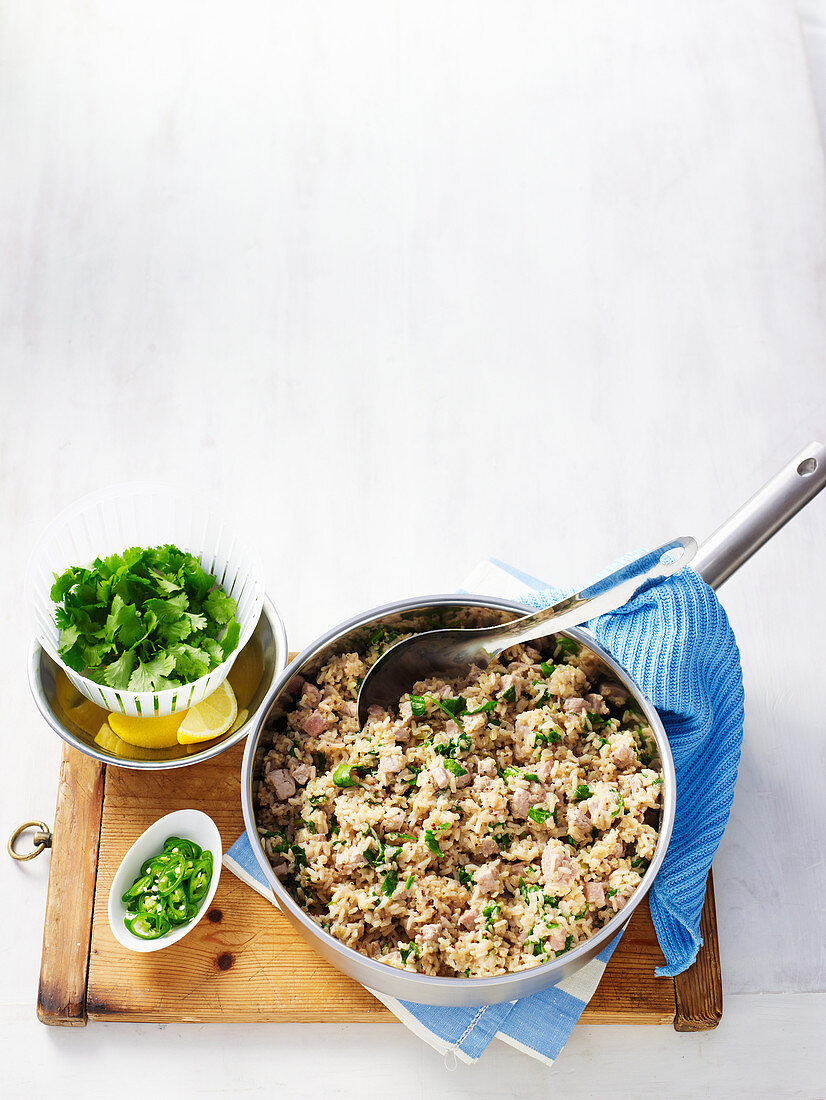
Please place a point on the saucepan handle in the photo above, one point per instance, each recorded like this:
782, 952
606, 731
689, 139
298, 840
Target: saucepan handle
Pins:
769, 509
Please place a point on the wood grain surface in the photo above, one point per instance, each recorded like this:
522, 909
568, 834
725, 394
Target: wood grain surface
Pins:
61, 996
243, 962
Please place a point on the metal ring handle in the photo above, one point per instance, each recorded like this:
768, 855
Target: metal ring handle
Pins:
42, 839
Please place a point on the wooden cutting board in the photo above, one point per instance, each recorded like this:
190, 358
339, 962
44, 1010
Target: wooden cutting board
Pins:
243, 962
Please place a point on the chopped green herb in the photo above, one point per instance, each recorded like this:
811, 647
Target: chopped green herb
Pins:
441, 828
546, 669
409, 882
533, 776
545, 697
538, 814
490, 913
582, 792
549, 737
418, 705
619, 808
509, 694
299, 854
405, 952
485, 708
399, 837
610, 893
432, 843
569, 940
566, 645
455, 767
322, 762
502, 839
389, 884
453, 707
465, 877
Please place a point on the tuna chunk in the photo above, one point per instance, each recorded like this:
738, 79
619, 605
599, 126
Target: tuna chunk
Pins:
311, 694
575, 705
614, 694
394, 819
281, 783
520, 803
595, 893
544, 770
391, 763
623, 751
486, 766
440, 776
537, 794
349, 858
556, 940
302, 773
578, 820
557, 869
487, 877
314, 724
474, 722
279, 868
469, 919
596, 704
429, 933
482, 782
350, 709
488, 846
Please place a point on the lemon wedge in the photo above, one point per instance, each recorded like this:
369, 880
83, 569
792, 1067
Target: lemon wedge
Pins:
110, 742
87, 715
209, 719
243, 715
147, 733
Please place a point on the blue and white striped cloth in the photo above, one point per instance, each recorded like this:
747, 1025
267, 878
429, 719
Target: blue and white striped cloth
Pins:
676, 642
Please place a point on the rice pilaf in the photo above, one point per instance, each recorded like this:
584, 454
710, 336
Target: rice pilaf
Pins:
487, 826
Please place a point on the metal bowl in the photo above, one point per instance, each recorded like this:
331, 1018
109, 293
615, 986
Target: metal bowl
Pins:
422, 988
269, 640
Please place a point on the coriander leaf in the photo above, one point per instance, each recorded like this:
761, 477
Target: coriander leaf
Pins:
219, 606
537, 814
455, 767
141, 680
231, 637
391, 881
432, 843
117, 673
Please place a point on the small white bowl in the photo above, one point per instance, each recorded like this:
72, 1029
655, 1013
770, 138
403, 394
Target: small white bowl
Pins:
187, 824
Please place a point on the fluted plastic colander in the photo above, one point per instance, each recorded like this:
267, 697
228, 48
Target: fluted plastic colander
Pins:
142, 514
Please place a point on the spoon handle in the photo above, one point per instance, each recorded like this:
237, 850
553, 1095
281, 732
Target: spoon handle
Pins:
604, 595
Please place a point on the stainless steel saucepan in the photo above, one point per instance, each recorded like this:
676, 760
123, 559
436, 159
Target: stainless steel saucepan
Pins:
718, 557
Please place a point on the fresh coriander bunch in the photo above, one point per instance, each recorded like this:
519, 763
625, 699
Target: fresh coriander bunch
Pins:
144, 620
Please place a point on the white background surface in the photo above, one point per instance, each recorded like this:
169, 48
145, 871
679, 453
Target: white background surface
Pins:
402, 286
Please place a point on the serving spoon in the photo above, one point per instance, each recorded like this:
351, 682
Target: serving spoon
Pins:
450, 653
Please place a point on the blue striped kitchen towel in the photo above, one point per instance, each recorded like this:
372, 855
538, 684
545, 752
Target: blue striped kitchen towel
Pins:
675, 641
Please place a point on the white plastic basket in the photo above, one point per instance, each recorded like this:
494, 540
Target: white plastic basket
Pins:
142, 514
